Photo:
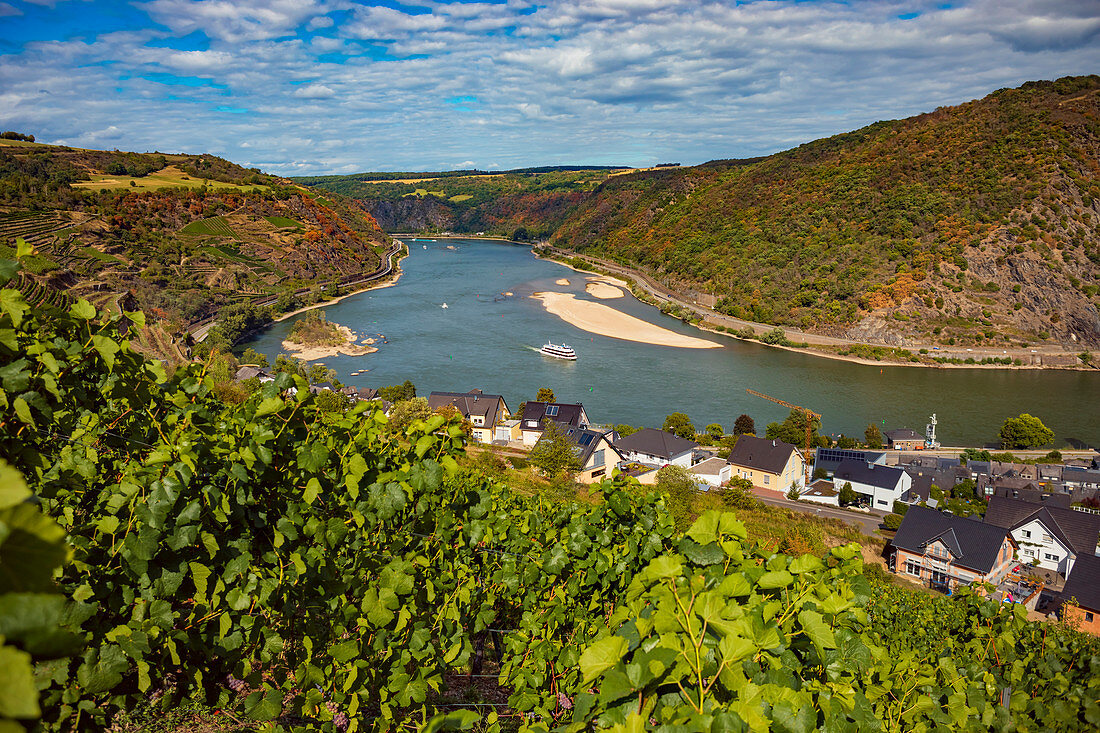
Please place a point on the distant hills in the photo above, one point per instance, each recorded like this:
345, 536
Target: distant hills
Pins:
977, 224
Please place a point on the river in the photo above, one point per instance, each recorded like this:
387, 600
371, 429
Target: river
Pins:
485, 340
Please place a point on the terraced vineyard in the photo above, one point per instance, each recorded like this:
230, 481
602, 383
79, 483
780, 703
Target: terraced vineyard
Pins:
215, 226
36, 227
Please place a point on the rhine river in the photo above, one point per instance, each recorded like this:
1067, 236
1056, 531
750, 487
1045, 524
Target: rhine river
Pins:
488, 341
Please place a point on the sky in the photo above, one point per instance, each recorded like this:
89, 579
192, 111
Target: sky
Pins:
300, 87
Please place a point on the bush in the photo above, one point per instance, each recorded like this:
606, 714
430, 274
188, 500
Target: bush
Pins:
892, 522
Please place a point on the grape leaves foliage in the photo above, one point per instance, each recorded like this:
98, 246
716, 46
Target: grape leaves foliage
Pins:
333, 573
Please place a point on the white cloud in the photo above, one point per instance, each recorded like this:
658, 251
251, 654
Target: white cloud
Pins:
599, 81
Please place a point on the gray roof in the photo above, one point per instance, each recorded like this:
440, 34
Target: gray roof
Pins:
770, 456
873, 474
588, 440
974, 545
655, 443
709, 467
249, 371
1077, 530
474, 402
903, 434
1083, 584
567, 414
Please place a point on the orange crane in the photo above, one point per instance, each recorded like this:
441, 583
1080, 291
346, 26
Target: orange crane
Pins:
810, 414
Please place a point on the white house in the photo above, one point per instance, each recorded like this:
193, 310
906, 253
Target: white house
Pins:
713, 472
1052, 536
880, 485
656, 448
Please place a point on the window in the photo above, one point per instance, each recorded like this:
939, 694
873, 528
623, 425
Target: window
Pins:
1047, 537
1027, 534
1052, 558
552, 410
1088, 617
597, 459
1029, 553
912, 568
880, 501
767, 479
532, 423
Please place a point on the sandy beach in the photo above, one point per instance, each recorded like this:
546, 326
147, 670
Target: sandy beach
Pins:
313, 353
561, 281
606, 321
599, 289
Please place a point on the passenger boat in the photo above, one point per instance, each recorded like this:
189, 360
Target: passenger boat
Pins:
558, 351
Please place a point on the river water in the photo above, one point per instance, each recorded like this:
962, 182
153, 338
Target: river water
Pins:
485, 340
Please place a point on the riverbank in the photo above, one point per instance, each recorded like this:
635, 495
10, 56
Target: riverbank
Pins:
606, 321
333, 301
818, 345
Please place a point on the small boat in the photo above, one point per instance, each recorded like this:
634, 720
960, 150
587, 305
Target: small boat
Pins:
562, 351
425, 246
444, 305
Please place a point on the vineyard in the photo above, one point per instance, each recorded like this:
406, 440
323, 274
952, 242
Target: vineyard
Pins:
322, 571
215, 226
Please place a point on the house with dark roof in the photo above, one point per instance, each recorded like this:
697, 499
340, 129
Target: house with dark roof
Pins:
656, 448
944, 551
484, 411
828, 459
249, 371
879, 485
1049, 536
596, 452
768, 464
904, 439
1081, 596
537, 414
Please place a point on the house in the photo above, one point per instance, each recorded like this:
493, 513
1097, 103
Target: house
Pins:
945, 551
1081, 596
596, 452
485, 411
656, 447
713, 471
537, 414
880, 485
1049, 536
768, 464
904, 439
822, 492
1031, 494
507, 431
828, 459
254, 372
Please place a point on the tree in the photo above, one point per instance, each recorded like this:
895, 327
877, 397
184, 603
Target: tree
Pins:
845, 442
964, 489
406, 412
545, 394
251, 356
679, 424
1025, 431
624, 430
873, 436
677, 484
398, 392
793, 429
555, 453
744, 425
714, 432
737, 494
848, 495
793, 493
329, 401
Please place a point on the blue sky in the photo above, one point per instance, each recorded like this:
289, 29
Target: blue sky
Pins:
332, 86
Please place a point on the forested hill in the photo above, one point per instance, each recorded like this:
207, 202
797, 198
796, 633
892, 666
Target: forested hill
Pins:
977, 224
179, 236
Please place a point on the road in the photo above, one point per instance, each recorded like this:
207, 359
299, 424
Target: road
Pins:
866, 523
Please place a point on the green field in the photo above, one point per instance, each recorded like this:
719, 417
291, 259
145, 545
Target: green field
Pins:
101, 256
283, 222
461, 197
170, 177
215, 226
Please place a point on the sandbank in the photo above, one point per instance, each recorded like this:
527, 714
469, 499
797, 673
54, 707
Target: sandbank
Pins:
606, 321
561, 281
350, 347
603, 291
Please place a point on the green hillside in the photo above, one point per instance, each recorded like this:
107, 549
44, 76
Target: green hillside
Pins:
979, 223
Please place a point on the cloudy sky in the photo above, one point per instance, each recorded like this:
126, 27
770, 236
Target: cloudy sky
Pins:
333, 86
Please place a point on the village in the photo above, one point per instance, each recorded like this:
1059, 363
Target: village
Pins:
1029, 530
